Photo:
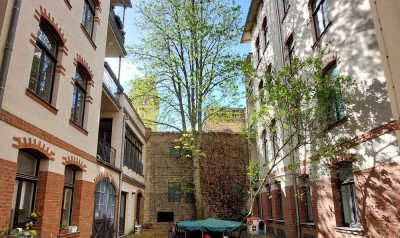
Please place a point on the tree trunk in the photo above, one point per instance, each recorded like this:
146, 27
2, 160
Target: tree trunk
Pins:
197, 179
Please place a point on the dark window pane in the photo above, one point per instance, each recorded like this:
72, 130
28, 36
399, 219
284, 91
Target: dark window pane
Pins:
26, 202
46, 79
47, 39
35, 71
27, 164
69, 176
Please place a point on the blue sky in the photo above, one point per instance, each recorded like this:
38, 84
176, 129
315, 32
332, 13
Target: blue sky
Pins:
128, 69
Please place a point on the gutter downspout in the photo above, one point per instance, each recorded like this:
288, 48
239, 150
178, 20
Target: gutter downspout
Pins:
124, 118
5, 64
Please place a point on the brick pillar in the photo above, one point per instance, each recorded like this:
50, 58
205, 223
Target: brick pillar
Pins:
49, 202
83, 207
8, 171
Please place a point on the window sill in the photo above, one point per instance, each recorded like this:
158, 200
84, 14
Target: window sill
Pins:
319, 38
88, 37
42, 102
68, 4
308, 224
279, 222
285, 14
78, 127
335, 124
349, 230
73, 234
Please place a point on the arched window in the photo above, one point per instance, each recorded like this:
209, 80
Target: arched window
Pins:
104, 210
69, 186
88, 16
24, 188
320, 16
44, 63
307, 199
79, 96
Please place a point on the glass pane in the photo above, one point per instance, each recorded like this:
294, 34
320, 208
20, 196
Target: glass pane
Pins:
346, 203
69, 176
89, 21
80, 105
98, 212
46, 78
14, 201
25, 204
27, 164
85, 7
47, 40
345, 173
111, 206
80, 78
35, 70
66, 211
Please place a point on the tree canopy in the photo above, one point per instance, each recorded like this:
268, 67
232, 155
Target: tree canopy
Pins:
187, 47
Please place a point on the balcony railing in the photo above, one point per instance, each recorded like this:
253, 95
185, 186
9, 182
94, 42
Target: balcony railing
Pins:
110, 81
105, 152
117, 26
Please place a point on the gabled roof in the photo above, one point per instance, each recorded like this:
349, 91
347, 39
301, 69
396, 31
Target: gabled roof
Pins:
251, 20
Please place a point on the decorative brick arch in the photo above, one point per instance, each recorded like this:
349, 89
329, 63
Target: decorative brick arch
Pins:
42, 13
34, 144
329, 60
76, 162
80, 60
106, 175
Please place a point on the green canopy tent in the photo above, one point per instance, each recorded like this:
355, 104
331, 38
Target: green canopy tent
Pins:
209, 225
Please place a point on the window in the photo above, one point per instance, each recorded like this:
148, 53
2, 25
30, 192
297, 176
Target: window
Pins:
261, 92
257, 45
133, 152
274, 139
290, 47
320, 16
189, 193
165, 216
335, 107
280, 203
285, 4
24, 188
269, 194
69, 185
174, 192
307, 199
79, 97
44, 63
88, 16
348, 196
265, 144
265, 31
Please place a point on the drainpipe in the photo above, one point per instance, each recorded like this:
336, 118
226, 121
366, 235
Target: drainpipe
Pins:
124, 119
5, 64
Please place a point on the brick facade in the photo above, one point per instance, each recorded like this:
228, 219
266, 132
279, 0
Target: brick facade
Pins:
48, 202
377, 191
82, 210
8, 171
225, 161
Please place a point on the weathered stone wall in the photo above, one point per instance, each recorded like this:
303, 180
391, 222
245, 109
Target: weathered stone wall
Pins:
224, 183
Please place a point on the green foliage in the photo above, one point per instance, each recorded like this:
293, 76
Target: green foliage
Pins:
187, 144
187, 48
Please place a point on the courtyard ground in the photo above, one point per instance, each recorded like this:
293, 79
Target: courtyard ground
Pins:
151, 233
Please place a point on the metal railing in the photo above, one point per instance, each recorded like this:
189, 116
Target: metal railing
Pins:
117, 26
105, 152
110, 81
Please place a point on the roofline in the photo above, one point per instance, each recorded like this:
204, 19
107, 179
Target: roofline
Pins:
255, 4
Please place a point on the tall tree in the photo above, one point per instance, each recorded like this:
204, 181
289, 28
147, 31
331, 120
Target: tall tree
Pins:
187, 46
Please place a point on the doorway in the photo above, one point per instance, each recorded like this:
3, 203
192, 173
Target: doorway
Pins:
104, 210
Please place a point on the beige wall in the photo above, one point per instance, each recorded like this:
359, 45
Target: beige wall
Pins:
355, 43
387, 24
